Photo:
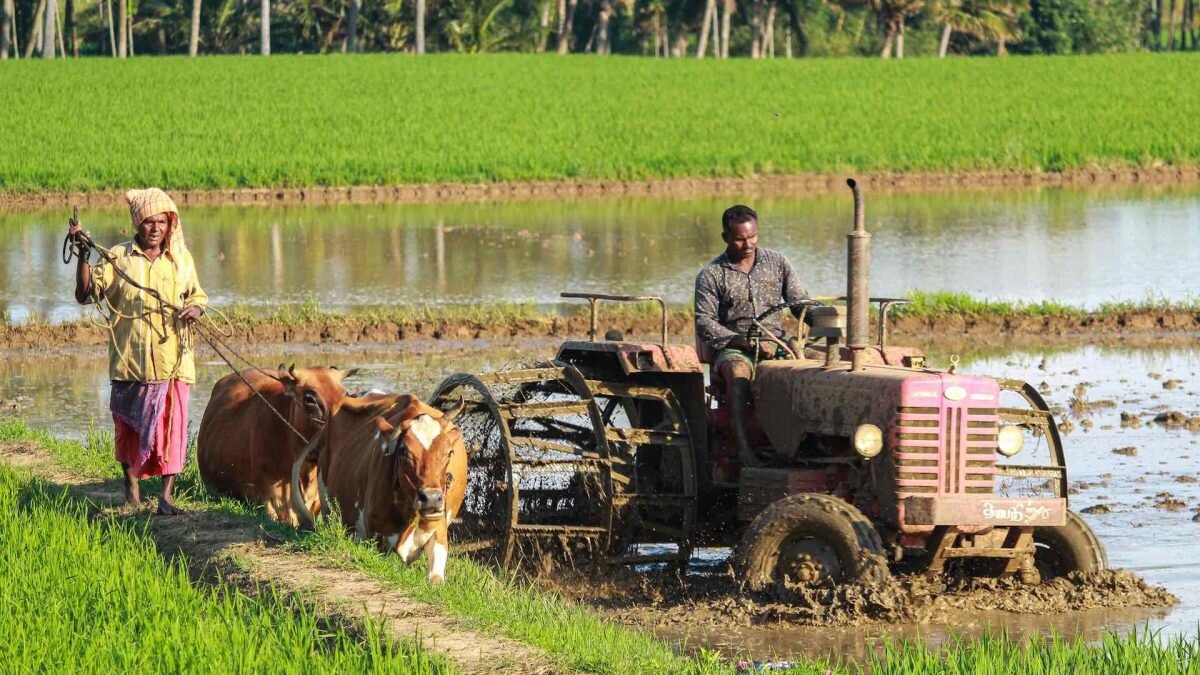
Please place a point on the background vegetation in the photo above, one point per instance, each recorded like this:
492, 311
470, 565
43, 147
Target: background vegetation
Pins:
725, 28
373, 119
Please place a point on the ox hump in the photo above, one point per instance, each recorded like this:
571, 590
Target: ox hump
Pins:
425, 428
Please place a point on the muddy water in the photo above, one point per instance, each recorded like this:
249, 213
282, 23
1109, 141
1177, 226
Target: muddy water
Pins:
1082, 246
1151, 494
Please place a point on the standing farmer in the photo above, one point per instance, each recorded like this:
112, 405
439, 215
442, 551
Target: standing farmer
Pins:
151, 292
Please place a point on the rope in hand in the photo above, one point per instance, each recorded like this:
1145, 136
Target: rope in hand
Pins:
80, 247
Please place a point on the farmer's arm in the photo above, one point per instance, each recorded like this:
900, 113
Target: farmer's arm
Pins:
195, 300
794, 293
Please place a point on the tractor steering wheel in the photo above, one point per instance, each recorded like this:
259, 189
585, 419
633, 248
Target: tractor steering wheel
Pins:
757, 331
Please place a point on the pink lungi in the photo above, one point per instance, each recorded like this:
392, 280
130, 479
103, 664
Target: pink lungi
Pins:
166, 452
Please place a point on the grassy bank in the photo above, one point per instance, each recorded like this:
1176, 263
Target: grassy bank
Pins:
78, 595
576, 637
572, 635
925, 304
392, 119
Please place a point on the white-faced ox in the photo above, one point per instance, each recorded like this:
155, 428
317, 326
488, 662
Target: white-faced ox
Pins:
397, 469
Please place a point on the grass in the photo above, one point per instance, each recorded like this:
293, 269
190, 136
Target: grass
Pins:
925, 304
82, 596
933, 304
579, 639
377, 119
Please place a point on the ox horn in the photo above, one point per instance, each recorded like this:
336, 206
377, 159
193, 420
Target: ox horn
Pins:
454, 412
306, 517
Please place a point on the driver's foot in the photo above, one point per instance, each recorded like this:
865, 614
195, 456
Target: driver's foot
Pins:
166, 508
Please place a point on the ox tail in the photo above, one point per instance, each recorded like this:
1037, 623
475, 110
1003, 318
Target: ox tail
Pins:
307, 522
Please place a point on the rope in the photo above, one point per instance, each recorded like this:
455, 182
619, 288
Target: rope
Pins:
81, 246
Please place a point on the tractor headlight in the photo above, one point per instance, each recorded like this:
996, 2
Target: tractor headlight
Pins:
1010, 441
868, 440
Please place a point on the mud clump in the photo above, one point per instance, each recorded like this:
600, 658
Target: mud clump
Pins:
1097, 510
1168, 502
1186, 479
1128, 451
1172, 384
1176, 419
1130, 421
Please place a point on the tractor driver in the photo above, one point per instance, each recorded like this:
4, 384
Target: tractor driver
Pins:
731, 291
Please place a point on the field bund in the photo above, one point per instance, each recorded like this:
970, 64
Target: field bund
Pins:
297, 122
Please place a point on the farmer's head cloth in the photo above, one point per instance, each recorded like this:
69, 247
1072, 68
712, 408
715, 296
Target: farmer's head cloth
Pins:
151, 202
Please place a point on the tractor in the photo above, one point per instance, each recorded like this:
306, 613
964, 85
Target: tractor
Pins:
865, 460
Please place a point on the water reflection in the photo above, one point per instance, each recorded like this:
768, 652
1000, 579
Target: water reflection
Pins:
1081, 246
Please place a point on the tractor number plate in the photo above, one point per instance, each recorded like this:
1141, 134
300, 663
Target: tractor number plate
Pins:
972, 510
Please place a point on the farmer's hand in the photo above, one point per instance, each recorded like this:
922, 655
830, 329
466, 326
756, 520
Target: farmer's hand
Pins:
766, 349
73, 230
190, 313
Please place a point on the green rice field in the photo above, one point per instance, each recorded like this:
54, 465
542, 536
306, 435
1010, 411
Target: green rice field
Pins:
84, 597
222, 122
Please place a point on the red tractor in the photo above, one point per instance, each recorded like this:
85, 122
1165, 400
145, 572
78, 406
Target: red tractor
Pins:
864, 458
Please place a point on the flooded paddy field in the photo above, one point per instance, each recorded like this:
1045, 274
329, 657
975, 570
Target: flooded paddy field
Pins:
1081, 246
1141, 502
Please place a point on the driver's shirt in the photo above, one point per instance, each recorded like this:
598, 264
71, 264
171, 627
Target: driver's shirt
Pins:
727, 299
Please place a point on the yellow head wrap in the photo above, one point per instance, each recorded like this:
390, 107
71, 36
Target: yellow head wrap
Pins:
151, 202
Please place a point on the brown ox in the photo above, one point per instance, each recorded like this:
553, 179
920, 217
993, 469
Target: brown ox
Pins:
246, 451
397, 468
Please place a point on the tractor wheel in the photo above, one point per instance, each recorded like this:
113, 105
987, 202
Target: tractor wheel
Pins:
1070, 548
809, 540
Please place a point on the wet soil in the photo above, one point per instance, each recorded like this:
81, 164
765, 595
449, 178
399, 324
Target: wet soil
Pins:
1133, 328
228, 549
716, 600
569, 189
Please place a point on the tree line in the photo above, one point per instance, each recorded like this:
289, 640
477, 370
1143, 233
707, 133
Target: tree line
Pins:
661, 28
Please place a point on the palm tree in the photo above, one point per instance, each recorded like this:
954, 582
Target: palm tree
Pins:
892, 14
985, 20
420, 26
48, 30
264, 30
194, 36
6, 27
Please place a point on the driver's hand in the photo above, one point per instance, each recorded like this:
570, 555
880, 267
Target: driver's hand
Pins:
766, 349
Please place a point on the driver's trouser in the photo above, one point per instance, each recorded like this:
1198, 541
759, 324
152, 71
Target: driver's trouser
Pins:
737, 371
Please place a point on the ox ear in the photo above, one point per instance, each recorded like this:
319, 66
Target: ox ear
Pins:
288, 380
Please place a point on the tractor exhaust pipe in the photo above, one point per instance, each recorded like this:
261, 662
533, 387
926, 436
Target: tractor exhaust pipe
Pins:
858, 287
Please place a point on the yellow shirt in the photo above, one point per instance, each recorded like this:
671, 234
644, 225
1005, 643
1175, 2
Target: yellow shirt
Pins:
145, 345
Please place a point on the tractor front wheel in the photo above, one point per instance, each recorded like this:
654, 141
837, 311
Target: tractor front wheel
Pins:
808, 541
1070, 548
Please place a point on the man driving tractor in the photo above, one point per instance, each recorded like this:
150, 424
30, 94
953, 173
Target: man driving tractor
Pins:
731, 291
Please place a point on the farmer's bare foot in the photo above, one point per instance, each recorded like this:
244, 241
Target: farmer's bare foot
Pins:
166, 508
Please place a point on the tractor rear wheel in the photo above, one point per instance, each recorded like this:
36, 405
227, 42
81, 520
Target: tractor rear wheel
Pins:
808, 541
1070, 548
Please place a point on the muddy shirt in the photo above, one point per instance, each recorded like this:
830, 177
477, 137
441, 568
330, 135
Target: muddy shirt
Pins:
727, 298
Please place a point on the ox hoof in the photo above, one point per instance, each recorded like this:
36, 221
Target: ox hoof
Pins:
435, 579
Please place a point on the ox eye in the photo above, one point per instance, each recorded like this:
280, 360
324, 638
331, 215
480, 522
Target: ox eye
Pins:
449, 479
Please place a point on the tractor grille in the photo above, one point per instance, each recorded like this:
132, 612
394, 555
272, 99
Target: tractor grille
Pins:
945, 451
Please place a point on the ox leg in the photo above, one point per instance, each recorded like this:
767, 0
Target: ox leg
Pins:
411, 543
437, 549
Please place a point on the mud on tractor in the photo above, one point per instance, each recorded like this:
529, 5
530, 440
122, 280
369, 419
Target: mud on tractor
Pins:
863, 460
